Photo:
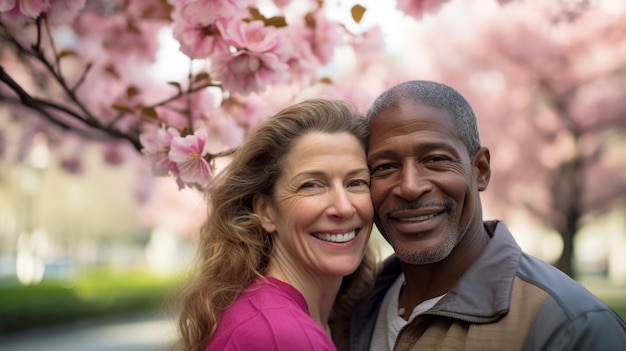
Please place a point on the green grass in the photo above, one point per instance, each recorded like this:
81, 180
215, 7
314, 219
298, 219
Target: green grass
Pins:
105, 294
94, 295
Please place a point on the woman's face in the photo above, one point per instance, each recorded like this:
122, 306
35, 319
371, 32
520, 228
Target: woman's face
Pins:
321, 213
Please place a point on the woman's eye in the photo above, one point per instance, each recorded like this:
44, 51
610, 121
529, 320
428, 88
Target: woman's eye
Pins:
308, 185
359, 182
313, 185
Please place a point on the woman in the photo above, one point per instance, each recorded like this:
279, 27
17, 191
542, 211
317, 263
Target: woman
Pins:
289, 218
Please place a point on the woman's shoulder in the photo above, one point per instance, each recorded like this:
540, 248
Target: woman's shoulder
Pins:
273, 331
268, 317
266, 298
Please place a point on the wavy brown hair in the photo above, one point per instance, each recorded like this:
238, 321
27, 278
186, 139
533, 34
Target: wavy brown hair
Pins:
233, 247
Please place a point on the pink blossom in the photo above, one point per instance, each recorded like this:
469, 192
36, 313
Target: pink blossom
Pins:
303, 63
198, 36
102, 91
64, 11
70, 153
369, 46
225, 129
72, 164
188, 153
109, 36
115, 153
156, 146
200, 107
7, 5
196, 42
259, 57
326, 37
28, 8
282, 3
255, 108
417, 8
205, 12
144, 181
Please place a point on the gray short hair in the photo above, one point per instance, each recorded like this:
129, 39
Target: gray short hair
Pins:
434, 95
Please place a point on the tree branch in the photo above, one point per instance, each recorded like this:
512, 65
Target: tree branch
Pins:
40, 106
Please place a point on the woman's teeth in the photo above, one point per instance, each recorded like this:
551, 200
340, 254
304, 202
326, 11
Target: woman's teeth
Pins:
336, 238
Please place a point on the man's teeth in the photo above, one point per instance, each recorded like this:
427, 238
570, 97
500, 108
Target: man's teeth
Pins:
336, 238
416, 219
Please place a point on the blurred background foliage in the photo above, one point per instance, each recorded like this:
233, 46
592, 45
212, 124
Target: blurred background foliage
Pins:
89, 296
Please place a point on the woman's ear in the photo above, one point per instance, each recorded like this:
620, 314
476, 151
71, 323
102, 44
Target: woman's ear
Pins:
264, 208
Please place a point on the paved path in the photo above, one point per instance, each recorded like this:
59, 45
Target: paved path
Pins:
147, 332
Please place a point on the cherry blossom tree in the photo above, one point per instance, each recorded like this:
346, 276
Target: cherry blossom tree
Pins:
547, 81
546, 78
79, 70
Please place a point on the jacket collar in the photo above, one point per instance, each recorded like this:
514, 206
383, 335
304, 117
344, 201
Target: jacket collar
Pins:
483, 293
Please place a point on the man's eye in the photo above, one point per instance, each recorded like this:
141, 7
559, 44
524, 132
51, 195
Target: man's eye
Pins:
383, 167
437, 158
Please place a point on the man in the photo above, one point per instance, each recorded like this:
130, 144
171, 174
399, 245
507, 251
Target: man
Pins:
455, 281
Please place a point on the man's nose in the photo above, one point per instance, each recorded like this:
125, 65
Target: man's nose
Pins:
413, 182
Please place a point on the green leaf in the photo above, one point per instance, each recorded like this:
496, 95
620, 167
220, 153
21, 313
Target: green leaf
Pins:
256, 14
130, 24
276, 21
357, 12
150, 112
326, 80
67, 53
186, 131
123, 108
202, 76
177, 86
132, 91
110, 69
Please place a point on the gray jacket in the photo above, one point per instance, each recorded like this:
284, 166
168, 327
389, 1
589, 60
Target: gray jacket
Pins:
506, 300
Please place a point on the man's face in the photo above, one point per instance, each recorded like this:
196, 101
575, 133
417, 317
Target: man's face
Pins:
424, 184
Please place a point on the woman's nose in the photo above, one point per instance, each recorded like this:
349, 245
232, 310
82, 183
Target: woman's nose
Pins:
340, 205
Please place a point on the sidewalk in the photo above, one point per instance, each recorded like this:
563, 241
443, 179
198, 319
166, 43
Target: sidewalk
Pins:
145, 332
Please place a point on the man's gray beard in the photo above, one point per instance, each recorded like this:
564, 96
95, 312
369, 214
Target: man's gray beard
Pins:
425, 257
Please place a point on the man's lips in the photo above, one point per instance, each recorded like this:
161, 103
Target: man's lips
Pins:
416, 218
417, 215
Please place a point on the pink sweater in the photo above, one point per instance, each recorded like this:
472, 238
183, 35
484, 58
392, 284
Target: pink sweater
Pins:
269, 316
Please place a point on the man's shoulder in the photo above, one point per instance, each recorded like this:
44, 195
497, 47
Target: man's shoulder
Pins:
567, 291
570, 314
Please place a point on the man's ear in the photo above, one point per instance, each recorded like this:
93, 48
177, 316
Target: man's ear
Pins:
482, 166
264, 208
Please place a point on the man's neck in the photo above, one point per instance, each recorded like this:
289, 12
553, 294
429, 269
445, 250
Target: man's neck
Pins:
426, 281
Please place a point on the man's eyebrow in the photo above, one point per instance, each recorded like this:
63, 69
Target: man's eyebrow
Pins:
381, 154
422, 147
